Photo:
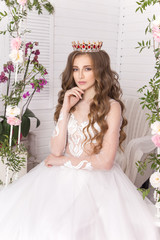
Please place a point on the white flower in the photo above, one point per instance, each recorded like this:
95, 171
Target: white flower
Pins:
156, 23
12, 111
155, 180
157, 204
155, 127
22, 2
16, 56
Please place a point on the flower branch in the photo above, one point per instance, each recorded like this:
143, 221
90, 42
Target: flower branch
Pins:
151, 100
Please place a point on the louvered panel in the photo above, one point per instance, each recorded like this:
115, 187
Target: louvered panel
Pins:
41, 27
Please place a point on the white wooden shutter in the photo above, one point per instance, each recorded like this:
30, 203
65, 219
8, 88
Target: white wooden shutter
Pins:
41, 27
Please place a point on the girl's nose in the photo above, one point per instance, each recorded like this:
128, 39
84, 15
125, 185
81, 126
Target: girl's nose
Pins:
81, 75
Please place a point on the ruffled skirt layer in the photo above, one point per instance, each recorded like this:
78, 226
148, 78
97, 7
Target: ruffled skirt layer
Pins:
66, 204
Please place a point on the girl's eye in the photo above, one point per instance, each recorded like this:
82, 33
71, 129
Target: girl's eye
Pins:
88, 69
75, 69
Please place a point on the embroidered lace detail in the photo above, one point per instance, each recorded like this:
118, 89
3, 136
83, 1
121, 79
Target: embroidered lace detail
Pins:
79, 166
76, 136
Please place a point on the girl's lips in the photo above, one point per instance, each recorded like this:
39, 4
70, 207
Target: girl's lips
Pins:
81, 82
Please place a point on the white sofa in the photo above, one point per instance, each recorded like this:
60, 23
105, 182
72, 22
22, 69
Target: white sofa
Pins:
138, 144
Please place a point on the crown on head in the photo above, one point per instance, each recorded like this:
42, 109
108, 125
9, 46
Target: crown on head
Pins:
87, 47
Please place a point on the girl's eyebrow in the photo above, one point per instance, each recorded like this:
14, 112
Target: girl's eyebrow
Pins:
84, 66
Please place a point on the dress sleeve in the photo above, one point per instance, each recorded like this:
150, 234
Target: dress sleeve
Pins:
57, 127
59, 135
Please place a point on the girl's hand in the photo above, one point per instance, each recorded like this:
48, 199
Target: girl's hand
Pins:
52, 160
72, 97
49, 161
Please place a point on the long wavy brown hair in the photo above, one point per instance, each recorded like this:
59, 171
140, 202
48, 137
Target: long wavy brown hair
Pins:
106, 87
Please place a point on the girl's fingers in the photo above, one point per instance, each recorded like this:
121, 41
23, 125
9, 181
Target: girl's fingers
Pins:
49, 165
78, 89
74, 92
77, 93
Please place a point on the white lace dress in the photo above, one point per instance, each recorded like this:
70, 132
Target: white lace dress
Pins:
67, 203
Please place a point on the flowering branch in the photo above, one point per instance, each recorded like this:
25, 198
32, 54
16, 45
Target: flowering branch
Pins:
143, 4
17, 9
151, 101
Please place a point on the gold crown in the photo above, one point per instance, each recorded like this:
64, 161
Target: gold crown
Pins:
87, 47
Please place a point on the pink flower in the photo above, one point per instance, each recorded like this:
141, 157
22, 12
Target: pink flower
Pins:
38, 90
10, 66
156, 140
5, 68
3, 77
156, 36
27, 94
22, 2
37, 52
42, 82
35, 59
156, 33
16, 43
13, 121
32, 84
45, 72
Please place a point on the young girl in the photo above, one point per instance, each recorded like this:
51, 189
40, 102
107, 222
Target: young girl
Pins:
79, 192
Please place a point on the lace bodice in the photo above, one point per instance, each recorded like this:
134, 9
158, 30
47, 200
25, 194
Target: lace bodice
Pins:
76, 136
69, 139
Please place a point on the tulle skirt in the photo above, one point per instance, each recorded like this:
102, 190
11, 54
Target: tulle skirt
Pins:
59, 203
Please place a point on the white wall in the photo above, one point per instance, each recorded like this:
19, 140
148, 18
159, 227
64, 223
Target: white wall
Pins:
135, 68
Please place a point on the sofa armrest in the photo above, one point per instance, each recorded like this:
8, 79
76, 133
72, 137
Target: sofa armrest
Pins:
137, 150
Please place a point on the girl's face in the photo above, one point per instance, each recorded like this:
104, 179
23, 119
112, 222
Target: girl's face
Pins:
83, 72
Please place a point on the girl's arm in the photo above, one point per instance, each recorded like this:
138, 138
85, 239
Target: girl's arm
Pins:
103, 160
58, 140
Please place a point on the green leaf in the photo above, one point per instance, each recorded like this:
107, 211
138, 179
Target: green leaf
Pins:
3, 15
15, 132
1, 128
144, 192
28, 113
6, 127
49, 7
146, 30
25, 126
